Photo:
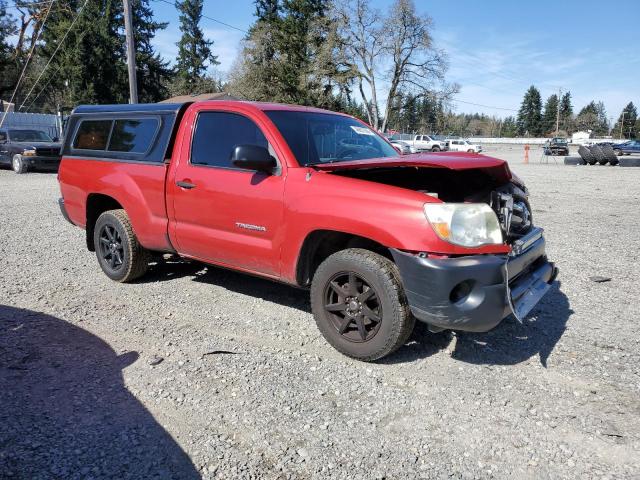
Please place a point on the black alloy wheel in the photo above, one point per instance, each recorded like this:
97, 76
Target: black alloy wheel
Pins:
359, 304
353, 307
111, 247
118, 250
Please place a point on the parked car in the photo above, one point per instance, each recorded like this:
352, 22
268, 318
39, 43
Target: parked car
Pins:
426, 142
404, 147
460, 145
556, 146
25, 149
311, 198
632, 147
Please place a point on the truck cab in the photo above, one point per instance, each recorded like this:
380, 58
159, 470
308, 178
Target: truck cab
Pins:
428, 143
311, 198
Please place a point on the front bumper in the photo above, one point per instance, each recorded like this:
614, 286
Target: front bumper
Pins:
40, 162
475, 293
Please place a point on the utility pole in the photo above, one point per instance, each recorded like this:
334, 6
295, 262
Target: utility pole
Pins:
558, 111
131, 53
621, 124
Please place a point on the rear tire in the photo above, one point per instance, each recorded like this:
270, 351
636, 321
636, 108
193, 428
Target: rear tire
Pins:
119, 253
359, 304
19, 165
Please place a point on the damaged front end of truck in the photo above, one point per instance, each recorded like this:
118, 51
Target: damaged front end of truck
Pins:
458, 290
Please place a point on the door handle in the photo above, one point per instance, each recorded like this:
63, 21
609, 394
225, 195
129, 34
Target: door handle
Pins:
187, 185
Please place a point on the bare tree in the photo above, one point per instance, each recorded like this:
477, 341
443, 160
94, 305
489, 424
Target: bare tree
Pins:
392, 55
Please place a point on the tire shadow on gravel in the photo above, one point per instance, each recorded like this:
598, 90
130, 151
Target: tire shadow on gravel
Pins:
65, 411
245, 284
509, 343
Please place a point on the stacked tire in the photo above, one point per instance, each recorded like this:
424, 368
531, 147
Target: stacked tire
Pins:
587, 155
597, 152
610, 155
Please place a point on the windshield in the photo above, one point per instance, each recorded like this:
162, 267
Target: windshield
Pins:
29, 136
326, 138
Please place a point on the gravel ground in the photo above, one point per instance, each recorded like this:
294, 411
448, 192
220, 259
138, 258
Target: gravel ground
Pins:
196, 372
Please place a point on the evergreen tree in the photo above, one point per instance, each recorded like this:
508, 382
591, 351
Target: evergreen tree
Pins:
194, 50
550, 114
153, 72
566, 113
267, 11
629, 125
508, 128
290, 55
529, 116
593, 117
89, 67
8, 65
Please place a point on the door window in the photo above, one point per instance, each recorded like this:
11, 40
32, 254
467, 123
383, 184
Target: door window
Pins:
217, 134
3, 136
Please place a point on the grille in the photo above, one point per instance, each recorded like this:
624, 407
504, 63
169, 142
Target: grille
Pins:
48, 152
514, 214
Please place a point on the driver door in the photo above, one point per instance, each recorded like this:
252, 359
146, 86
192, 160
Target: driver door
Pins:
223, 214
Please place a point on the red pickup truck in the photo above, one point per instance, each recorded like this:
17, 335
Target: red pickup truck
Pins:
311, 198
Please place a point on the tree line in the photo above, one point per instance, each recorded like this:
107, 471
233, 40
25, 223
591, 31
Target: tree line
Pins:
344, 55
557, 115
70, 52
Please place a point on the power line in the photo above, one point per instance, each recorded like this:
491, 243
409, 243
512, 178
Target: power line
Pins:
42, 89
26, 64
60, 43
485, 106
205, 16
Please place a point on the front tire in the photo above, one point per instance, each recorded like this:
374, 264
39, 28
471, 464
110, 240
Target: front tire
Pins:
119, 253
359, 304
435, 149
19, 165
617, 152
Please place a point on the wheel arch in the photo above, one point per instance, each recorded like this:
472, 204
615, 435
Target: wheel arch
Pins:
319, 244
97, 203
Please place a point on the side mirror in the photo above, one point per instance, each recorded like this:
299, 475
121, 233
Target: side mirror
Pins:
253, 157
55, 139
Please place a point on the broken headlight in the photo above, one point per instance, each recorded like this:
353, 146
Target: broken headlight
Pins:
464, 224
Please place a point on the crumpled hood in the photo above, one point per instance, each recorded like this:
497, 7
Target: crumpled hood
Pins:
495, 167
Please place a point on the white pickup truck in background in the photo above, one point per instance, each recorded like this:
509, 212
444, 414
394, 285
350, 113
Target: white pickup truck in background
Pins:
462, 145
426, 142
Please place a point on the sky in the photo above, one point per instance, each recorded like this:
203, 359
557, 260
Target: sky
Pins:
496, 48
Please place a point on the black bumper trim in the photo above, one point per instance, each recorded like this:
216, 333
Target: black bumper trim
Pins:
63, 210
43, 162
487, 299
